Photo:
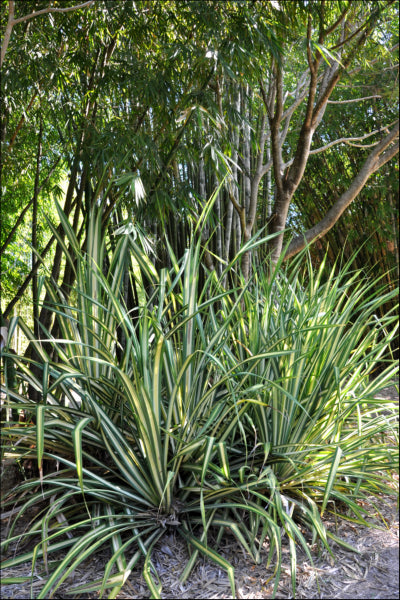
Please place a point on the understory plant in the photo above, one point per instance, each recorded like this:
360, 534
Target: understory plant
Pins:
198, 411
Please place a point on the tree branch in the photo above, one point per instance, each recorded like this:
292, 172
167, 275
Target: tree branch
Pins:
274, 123
322, 101
309, 56
50, 9
375, 60
7, 33
265, 99
11, 21
238, 207
353, 100
346, 141
377, 158
347, 40
332, 28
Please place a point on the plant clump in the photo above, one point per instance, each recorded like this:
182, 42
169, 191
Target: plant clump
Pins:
203, 410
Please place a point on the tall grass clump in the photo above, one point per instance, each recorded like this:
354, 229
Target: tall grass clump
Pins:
199, 411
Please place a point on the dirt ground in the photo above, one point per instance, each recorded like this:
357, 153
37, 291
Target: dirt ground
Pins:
371, 574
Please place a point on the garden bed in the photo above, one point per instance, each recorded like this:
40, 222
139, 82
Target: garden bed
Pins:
374, 573
371, 574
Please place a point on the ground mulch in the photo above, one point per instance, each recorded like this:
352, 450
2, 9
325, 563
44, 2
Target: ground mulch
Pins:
371, 573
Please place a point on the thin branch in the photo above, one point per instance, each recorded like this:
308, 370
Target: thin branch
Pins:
375, 60
346, 141
11, 21
337, 22
263, 138
388, 155
376, 12
309, 57
353, 139
345, 41
265, 99
267, 166
49, 9
287, 115
235, 203
362, 145
331, 84
353, 100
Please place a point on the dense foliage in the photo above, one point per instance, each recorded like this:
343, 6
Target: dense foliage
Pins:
171, 98
203, 411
